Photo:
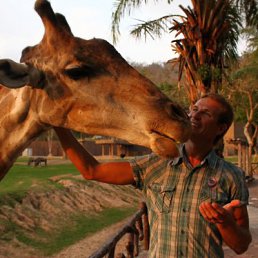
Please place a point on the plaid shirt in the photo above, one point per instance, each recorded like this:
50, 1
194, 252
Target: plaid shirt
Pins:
174, 191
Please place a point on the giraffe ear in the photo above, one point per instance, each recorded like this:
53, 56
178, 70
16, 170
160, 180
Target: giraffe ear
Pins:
16, 75
55, 24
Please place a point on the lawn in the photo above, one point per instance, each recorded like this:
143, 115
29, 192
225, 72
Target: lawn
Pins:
21, 178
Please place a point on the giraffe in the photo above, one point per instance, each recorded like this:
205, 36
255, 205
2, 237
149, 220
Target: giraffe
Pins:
83, 85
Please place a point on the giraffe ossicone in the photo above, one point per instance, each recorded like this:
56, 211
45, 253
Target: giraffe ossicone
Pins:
84, 85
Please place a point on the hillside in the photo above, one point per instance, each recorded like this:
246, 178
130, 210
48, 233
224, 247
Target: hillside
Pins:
27, 225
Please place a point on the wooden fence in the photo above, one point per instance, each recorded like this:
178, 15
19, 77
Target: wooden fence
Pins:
137, 230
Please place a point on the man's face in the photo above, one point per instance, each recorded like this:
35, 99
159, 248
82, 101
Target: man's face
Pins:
204, 120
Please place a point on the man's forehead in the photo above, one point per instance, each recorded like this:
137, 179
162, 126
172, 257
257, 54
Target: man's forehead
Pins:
208, 104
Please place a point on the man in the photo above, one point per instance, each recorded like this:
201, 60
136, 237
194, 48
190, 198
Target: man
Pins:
195, 201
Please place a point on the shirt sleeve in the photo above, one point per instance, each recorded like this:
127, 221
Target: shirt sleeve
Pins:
139, 166
239, 188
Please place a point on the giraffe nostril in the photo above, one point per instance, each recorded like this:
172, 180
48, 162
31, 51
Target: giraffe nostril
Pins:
175, 110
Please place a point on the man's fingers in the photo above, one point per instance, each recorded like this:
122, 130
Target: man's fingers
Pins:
210, 213
236, 203
232, 205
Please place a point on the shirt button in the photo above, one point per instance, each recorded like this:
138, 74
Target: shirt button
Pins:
182, 231
184, 210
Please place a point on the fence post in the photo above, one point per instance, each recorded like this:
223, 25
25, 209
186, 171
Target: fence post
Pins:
239, 152
131, 229
139, 227
130, 245
112, 252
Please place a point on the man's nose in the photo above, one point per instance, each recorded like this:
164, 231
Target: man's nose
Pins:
194, 114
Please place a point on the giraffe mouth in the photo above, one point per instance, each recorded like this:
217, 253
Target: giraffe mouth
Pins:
165, 136
164, 145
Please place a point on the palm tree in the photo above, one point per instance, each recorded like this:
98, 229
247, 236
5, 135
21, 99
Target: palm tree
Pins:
248, 9
208, 33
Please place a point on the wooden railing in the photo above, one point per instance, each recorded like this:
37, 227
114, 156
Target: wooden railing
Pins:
137, 230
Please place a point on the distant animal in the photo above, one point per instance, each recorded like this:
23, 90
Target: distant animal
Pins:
83, 85
122, 155
37, 161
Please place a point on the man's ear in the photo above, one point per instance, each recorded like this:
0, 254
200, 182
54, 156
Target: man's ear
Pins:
16, 75
222, 129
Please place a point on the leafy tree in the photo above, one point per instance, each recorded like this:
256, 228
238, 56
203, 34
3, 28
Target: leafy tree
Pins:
243, 92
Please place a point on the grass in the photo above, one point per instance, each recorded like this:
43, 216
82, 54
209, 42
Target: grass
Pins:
77, 228
21, 178
232, 159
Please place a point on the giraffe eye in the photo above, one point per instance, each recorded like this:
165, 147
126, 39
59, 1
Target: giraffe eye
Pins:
77, 73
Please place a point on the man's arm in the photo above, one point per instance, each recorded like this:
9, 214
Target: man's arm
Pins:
232, 222
113, 172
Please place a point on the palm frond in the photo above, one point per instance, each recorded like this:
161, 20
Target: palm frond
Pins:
121, 7
152, 28
250, 10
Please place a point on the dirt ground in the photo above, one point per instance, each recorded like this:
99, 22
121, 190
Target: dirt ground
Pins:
252, 251
89, 245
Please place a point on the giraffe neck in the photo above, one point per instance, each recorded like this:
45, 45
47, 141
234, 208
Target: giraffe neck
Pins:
18, 125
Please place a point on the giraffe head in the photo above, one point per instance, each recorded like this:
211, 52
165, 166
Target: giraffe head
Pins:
86, 85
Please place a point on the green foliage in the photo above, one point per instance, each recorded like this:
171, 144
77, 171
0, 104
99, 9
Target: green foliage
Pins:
209, 73
166, 88
153, 28
205, 72
243, 89
239, 102
248, 72
249, 8
233, 159
217, 74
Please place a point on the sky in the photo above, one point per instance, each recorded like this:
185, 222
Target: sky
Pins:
20, 26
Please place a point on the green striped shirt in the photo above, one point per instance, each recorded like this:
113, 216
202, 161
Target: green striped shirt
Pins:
174, 190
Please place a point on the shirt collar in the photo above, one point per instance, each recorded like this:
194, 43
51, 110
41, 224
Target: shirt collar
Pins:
211, 158
178, 160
